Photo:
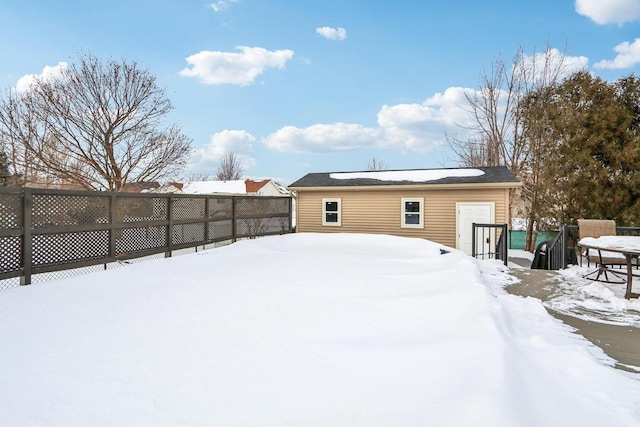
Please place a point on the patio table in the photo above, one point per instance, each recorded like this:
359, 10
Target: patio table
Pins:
628, 246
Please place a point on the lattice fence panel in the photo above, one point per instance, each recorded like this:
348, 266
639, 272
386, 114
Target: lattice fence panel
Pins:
10, 210
246, 206
260, 226
66, 248
137, 209
132, 240
188, 208
10, 249
221, 229
280, 225
12, 282
65, 274
124, 263
65, 210
260, 207
188, 233
220, 208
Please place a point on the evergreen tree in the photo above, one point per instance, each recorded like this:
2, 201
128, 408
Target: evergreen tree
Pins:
587, 136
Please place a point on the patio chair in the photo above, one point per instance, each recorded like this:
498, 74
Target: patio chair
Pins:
603, 259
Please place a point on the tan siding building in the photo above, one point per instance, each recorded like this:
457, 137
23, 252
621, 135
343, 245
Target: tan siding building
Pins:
440, 210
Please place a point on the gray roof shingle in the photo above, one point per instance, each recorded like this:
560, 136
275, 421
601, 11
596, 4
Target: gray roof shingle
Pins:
493, 174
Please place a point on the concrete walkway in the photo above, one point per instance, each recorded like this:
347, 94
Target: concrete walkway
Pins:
621, 343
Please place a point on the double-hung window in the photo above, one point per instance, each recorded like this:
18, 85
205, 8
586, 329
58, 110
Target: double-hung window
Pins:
412, 213
331, 212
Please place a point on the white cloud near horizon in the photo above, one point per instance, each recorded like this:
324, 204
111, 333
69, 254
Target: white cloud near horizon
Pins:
331, 33
240, 142
48, 73
628, 55
407, 127
604, 12
422, 127
411, 127
234, 68
322, 138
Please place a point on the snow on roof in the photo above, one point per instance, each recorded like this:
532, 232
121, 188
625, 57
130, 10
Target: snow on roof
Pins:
212, 187
409, 175
281, 188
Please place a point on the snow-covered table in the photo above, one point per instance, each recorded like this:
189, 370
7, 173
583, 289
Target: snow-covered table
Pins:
627, 246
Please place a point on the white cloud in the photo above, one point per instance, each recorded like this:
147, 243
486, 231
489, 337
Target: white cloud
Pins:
221, 5
609, 11
240, 142
322, 138
48, 73
406, 127
332, 33
216, 68
412, 127
421, 127
628, 55
553, 58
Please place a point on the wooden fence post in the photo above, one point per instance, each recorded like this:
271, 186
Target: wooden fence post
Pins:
233, 221
170, 199
27, 248
112, 226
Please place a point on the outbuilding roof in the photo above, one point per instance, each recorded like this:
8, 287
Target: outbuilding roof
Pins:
414, 177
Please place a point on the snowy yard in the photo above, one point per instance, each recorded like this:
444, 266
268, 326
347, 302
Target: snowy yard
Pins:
590, 300
301, 330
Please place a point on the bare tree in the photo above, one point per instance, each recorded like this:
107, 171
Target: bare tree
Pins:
198, 177
99, 126
229, 168
19, 129
377, 165
496, 112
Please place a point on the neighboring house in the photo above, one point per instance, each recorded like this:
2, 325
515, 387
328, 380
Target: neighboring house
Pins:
264, 187
169, 187
435, 204
236, 187
140, 187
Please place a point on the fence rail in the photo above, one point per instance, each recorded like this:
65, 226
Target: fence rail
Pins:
490, 241
563, 250
44, 230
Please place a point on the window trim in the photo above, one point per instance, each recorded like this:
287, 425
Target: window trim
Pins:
403, 212
338, 223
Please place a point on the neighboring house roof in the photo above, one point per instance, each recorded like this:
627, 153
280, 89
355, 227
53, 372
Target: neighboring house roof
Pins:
166, 188
239, 186
255, 186
138, 187
495, 175
281, 188
212, 187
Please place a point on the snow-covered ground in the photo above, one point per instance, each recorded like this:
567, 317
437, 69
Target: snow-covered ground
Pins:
301, 330
588, 300
595, 301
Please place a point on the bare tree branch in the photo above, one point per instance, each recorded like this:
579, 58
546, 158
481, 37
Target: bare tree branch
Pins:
496, 110
99, 125
229, 168
377, 165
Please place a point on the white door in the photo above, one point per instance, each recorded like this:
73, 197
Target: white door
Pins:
468, 214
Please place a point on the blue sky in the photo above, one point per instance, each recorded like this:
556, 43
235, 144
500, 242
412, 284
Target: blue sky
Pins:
314, 86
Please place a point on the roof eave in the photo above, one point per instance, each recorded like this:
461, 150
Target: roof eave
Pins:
474, 185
